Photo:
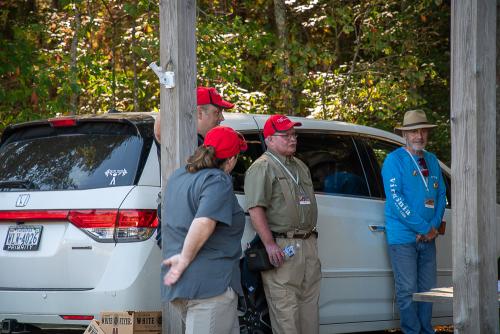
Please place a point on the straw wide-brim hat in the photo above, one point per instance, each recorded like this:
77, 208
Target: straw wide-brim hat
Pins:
415, 119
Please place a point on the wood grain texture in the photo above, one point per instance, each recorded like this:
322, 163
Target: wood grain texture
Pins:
473, 129
178, 105
498, 100
438, 295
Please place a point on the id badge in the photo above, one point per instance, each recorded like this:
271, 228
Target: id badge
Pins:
429, 203
304, 200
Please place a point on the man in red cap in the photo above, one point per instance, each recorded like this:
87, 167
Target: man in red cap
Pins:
280, 199
209, 111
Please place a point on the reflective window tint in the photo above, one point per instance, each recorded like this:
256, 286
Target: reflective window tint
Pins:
447, 182
334, 163
253, 152
70, 161
373, 155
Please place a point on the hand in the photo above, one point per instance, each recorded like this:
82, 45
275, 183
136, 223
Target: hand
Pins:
178, 265
431, 235
275, 253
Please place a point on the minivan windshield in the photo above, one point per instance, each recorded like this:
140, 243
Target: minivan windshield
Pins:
72, 161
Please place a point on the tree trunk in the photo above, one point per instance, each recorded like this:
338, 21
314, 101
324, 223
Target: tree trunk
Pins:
290, 102
73, 66
113, 21
134, 64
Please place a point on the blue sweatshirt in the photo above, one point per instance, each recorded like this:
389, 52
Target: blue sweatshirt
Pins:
406, 211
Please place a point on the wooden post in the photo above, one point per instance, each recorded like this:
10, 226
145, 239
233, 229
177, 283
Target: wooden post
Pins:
498, 101
473, 30
178, 105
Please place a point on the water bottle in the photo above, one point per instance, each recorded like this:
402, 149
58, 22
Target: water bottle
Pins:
289, 251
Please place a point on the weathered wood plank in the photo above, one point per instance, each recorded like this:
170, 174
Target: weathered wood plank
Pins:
445, 290
433, 297
473, 166
438, 295
178, 105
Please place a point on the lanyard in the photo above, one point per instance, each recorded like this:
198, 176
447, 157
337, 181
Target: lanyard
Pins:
295, 180
419, 171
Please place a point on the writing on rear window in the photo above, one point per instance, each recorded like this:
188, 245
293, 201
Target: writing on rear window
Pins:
114, 173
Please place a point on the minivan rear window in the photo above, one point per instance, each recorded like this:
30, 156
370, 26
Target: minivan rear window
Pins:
69, 159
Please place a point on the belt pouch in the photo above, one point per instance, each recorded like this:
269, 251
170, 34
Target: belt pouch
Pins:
256, 256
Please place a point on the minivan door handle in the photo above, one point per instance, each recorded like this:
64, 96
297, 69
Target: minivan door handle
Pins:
377, 228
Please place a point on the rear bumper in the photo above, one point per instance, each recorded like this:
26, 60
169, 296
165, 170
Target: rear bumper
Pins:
46, 308
126, 285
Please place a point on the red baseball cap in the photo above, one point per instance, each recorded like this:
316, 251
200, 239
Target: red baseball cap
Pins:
226, 141
209, 95
278, 123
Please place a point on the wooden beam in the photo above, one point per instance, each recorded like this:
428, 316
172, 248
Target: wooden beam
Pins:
473, 33
178, 105
498, 101
438, 295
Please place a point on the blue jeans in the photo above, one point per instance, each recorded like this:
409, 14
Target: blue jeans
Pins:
414, 268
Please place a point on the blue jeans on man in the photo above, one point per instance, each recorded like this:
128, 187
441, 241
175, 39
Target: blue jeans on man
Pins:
414, 268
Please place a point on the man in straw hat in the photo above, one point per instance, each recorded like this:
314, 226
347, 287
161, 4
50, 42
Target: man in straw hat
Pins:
416, 199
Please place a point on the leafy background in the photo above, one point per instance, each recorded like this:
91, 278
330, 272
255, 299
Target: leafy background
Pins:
361, 61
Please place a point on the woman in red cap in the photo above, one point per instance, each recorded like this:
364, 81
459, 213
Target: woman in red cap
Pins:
204, 225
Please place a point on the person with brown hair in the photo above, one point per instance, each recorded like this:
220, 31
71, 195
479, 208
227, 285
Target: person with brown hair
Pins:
204, 225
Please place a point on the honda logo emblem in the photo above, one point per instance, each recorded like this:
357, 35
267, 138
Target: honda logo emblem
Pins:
22, 200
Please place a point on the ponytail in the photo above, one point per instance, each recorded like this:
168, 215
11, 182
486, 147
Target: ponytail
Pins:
202, 158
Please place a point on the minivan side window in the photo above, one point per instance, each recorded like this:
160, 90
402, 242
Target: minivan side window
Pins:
447, 182
334, 163
373, 155
245, 159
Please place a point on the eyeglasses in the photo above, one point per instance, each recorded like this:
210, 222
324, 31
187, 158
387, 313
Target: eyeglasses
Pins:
288, 136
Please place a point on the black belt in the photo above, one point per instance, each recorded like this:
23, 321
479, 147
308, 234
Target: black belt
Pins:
295, 235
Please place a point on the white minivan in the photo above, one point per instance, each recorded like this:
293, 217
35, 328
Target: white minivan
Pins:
78, 217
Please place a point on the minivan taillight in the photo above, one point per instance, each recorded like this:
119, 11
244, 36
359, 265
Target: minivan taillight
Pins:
115, 225
101, 225
32, 215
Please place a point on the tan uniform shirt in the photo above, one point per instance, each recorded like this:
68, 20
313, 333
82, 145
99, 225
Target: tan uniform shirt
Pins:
262, 188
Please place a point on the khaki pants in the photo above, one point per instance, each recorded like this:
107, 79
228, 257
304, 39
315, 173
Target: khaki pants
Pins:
292, 290
215, 315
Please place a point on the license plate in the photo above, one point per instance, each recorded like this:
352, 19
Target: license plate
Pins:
23, 238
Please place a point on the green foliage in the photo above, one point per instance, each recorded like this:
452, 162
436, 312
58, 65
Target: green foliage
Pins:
362, 61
